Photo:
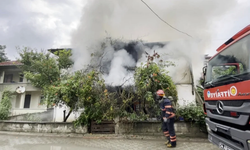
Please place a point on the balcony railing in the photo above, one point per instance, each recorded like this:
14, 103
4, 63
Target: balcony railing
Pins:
13, 86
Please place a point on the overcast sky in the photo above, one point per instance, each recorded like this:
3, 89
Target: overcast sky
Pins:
40, 24
44, 24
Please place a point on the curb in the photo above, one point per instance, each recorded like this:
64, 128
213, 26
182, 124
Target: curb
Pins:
102, 136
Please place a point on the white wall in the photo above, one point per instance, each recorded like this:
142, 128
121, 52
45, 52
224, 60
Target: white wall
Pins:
18, 103
59, 114
185, 95
35, 99
13, 101
25, 111
180, 73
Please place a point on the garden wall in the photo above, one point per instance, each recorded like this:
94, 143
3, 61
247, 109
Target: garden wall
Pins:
46, 116
40, 127
144, 128
154, 128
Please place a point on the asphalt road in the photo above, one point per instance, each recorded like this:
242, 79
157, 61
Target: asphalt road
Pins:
26, 142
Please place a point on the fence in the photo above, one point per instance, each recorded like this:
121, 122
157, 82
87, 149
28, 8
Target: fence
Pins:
105, 127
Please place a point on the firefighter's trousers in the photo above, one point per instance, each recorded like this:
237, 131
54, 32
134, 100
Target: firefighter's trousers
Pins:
169, 131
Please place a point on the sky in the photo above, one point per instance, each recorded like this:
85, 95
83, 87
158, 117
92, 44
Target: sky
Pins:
39, 24
45, 24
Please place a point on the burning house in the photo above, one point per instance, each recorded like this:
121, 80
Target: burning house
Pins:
117, 60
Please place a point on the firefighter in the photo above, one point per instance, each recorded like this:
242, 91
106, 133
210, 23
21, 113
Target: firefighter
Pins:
168, 118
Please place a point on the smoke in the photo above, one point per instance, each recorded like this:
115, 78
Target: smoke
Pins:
186, 55
118, 72
132, 20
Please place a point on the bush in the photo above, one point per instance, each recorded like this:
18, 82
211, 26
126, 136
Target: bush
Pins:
151, 77
5, 105
192, 113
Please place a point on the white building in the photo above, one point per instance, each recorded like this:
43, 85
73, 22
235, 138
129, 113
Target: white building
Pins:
185, 83
10, 79
27, 101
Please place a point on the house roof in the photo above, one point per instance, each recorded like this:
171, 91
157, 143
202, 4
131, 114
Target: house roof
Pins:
10, 63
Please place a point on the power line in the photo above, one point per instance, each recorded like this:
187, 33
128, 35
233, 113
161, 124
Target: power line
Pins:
165, 21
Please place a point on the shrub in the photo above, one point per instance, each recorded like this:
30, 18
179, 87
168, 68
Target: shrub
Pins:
5, 105
193, 114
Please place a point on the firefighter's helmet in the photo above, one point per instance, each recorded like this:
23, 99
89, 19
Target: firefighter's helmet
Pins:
160, 93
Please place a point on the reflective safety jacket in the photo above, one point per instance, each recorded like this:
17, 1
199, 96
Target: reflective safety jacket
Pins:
166, 108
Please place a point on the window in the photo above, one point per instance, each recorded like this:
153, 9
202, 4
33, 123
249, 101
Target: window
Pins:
21, 78
227, 69
233, 61
8, 78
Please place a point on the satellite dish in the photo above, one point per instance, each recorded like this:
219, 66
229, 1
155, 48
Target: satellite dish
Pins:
20, 89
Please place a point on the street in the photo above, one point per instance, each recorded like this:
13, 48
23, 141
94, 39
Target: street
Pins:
24, 142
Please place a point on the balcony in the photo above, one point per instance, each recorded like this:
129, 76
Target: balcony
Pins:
13, 86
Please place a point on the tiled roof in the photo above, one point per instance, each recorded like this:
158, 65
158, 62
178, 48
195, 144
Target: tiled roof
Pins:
10, 63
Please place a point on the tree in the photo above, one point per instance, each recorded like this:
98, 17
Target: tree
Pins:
83, 89
63, 59
39, 67
3, 56
5, 105
151, 77
43, 70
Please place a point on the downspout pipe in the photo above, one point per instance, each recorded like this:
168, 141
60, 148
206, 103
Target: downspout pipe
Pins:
194, 90
192, 78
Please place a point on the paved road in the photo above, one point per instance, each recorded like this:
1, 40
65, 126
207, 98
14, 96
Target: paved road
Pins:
21, 142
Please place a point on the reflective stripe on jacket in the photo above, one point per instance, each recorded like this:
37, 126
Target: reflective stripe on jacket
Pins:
166, 106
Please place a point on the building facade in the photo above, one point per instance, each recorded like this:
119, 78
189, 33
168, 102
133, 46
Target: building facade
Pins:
11, 79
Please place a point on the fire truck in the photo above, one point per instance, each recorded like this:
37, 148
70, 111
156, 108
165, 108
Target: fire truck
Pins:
227, 93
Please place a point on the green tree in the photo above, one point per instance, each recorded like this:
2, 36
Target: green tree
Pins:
39, 67
63, 59
43, 69
151, 77
3, 56
5, 105
83, 89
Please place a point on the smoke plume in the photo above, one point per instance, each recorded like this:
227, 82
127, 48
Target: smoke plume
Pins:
132, 20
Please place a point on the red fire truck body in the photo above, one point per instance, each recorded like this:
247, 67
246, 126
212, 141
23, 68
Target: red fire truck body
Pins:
227, 93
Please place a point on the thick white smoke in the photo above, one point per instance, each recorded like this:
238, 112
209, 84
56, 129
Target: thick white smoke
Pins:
132, 20
118, 73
